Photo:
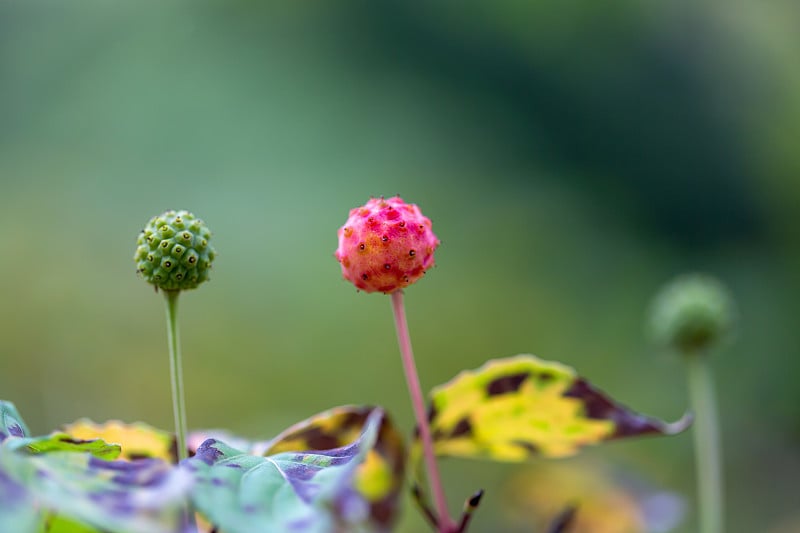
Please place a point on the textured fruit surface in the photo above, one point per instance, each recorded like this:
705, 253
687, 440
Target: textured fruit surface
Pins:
385, 245
692, 313
173, 251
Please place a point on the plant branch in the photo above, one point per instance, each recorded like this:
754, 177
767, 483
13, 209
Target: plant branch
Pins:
417, 400
419, 498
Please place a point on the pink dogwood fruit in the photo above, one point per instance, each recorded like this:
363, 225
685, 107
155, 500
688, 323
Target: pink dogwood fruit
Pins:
385, 245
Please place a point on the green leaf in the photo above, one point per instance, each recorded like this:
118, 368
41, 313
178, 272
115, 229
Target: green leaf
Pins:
307, 491
516, 408
61, 442
121, 496
17, 510
11, 424
57, 483
60, 524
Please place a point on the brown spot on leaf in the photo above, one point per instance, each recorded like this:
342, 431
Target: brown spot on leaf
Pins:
322, 441
527, 446
506, 384
432, 412
545, 377
595, 404
70, 440
464, 427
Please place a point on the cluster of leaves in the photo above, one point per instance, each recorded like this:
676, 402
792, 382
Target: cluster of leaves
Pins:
341, 470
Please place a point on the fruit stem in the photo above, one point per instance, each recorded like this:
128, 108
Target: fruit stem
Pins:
176, 373
706, 443
415, 391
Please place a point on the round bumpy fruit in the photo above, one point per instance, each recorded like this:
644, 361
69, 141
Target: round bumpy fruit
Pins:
692, 313
173, 252
385, 245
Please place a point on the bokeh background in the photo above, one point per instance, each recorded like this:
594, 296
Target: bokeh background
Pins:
573, 157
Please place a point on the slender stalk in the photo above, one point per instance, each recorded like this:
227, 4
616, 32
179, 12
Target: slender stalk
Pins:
707, 447
176, 373
415, 391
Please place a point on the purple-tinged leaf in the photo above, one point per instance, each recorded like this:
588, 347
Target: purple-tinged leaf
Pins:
303, 491
198, 437
379, 479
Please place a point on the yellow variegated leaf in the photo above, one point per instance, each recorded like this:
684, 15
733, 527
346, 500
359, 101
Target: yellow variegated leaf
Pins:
324, 431
138, 440
512, 409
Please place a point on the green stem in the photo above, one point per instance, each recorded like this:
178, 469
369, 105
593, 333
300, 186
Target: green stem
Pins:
178, 402
707, 447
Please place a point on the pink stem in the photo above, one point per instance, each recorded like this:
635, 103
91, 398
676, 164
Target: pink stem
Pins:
414, 389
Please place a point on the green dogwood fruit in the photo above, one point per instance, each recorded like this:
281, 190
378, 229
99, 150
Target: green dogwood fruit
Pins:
173, 251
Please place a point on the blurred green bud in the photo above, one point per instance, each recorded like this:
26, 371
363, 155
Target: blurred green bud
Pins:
692, 314
173, 252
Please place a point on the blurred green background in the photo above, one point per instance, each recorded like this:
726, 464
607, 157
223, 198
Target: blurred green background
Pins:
573, 156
